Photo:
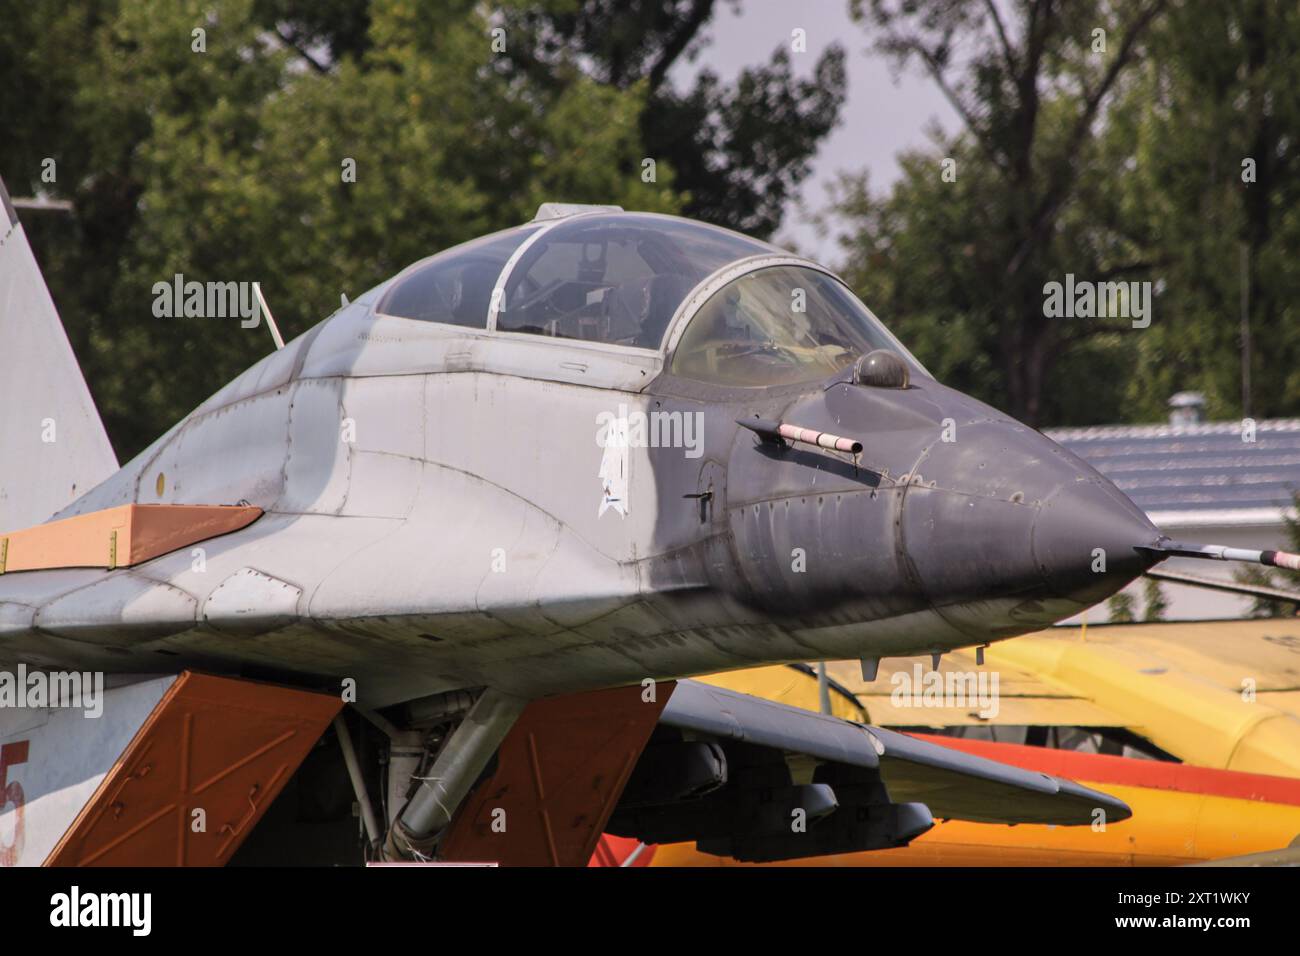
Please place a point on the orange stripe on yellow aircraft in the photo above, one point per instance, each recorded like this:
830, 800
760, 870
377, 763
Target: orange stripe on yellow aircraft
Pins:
1181, 815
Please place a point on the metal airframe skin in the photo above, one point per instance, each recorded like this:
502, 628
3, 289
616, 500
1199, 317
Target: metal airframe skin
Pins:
432, 517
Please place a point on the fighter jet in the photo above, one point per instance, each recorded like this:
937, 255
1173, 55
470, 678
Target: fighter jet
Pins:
504, 504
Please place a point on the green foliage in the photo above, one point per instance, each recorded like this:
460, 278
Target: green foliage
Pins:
1123, 164
227, 165
1117, 165
1121, 608
738, 151
1221, 88
1156, 602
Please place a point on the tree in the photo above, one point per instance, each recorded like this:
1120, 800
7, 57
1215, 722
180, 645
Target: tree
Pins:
1212, 192
227, 163
1156, 603
1119, 606
739, 152
320, 32
1031, 84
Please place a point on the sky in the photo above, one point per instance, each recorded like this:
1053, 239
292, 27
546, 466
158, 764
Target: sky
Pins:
881, 116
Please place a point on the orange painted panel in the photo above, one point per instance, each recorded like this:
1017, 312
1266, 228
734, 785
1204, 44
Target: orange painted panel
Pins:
1154, 774
621, 851
118, 537
216, 744
559, 774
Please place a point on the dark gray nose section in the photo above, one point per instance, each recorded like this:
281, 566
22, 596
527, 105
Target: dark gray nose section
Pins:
1005, 530
1086, 538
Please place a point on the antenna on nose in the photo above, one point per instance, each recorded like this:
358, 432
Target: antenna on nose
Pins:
270, 319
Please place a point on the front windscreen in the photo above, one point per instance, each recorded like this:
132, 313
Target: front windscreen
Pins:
779, 326
615, 278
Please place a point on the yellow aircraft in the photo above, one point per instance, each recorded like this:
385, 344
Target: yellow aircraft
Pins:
1217, 703
1222, 694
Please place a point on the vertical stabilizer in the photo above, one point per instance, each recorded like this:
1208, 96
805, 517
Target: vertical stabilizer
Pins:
53, 447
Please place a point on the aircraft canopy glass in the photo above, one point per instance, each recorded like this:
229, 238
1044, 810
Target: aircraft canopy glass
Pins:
615, 278
779, 326
454, 286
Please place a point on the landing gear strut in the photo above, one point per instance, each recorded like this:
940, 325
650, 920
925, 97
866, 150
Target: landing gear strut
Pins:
415, 832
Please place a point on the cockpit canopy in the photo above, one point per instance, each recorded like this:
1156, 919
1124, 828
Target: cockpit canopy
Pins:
615, 278
779, 325
618, 278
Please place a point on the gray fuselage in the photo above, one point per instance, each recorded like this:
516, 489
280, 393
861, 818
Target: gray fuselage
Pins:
439, 515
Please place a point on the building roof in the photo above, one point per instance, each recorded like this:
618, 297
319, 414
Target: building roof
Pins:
1196, 473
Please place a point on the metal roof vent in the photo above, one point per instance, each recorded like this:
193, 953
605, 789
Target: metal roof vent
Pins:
1187, 408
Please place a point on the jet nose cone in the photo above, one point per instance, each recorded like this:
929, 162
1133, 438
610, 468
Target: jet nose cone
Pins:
1007, 531
1085, 539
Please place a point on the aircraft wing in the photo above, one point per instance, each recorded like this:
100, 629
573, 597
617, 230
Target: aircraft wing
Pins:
759, 781
1222, 694
1212, 693
1024, 698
